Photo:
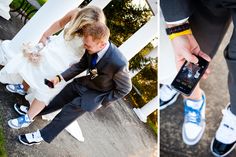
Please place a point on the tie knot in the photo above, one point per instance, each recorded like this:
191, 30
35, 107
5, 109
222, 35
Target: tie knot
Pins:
95, 56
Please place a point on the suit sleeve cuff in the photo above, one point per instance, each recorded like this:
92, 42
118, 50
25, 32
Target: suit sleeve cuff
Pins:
62, 78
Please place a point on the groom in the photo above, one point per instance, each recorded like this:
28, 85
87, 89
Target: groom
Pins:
108, 80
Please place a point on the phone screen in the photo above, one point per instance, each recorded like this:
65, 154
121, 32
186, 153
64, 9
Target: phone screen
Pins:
189, 75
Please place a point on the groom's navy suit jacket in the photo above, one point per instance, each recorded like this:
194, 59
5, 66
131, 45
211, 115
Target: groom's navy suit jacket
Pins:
113, 80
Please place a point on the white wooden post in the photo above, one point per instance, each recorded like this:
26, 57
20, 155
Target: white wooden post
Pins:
4, 9
99, 3
147, 109
51, 11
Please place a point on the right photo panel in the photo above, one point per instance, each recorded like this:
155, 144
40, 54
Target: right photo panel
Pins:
197, 77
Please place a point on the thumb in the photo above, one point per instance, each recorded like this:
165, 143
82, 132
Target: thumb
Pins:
204, 56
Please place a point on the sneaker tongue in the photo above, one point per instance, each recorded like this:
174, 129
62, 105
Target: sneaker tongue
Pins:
27, 118
195, 104
24, 108
230, 114
166, 93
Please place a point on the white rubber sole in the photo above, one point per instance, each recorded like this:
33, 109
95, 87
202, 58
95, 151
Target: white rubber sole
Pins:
195, 141
15, 127
217, 155
27, 143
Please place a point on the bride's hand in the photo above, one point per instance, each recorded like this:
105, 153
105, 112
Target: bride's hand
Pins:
44, 39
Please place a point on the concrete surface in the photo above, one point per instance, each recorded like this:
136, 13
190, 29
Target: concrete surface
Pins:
171, 118
111, 132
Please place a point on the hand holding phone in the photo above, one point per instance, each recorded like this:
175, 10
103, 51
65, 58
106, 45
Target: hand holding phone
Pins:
48, 83
189, 75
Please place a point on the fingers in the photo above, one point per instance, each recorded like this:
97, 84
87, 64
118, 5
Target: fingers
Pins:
189, 56
192, 58
55, 81
43, 40
206, 74
204, 56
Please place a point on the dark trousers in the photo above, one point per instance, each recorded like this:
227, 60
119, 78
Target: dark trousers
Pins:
70, 111
209, 24
230, 56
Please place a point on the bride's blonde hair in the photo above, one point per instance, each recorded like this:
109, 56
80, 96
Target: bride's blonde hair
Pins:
84, 16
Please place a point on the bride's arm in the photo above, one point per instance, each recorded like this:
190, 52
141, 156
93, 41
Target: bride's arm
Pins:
58, 25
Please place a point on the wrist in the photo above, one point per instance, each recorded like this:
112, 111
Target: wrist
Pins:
58, 78
46, 35
174, 35
178, 30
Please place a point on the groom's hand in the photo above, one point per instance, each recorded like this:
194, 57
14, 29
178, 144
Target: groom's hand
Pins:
55, 80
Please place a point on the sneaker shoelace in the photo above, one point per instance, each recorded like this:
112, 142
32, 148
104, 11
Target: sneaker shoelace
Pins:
192, 115
21, 120
19, 87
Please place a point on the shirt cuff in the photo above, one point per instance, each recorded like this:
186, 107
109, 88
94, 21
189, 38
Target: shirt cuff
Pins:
61, 77
177, 22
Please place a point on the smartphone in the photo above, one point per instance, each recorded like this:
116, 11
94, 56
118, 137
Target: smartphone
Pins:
189, 75
48, 83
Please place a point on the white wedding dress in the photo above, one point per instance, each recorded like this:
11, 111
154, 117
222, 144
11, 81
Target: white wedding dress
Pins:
57, 56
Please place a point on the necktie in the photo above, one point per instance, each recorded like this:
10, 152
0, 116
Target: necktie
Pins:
94, 60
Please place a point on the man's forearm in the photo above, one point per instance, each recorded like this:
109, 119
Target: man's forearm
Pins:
76, 68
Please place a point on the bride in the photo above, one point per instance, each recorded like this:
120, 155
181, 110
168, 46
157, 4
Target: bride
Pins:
56, 56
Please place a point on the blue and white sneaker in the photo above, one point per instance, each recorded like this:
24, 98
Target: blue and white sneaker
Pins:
194, 120
16, 88
31, 138
225, 139
21, 122
168, 96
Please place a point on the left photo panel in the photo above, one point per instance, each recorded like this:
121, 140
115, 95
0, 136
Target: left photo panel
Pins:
79, 75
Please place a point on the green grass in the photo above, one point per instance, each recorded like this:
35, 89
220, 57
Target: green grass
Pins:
152, 125
3, 152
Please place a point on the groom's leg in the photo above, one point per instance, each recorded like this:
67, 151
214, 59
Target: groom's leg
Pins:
68, 114
67, 94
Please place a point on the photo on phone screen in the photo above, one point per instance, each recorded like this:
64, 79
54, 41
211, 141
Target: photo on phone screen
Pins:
189, 75
48, 83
